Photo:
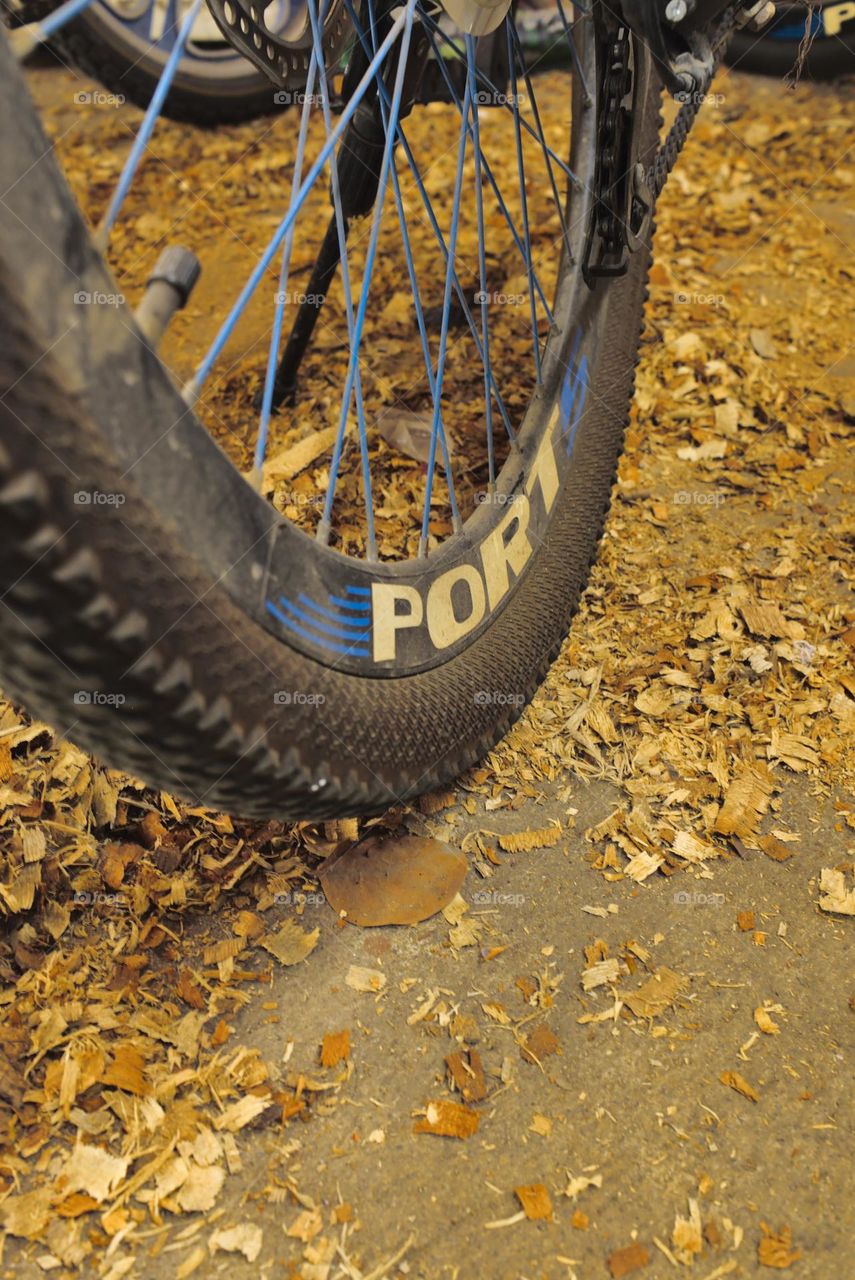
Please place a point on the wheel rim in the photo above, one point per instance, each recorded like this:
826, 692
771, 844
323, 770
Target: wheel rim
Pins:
322, 612
148, 29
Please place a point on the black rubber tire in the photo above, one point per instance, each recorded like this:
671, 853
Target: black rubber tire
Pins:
110, 602
100, 50
829, 56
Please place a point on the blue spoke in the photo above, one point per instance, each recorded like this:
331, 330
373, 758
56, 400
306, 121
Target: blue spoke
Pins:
193, 387
28, 37
542, 138
348, 300
325, 522
488, 83
458, 287
428, 207
488, 173
482, 257
446, 311
147, 127
524, 200
276, 332
456, 521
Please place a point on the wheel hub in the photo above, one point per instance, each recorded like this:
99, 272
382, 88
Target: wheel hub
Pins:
477, 17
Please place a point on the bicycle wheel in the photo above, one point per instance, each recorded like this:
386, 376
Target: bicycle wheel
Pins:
370, 615
775, 50
125, 45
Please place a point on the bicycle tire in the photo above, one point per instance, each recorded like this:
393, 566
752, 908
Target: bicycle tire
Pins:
768, 54
100, 48
133, 600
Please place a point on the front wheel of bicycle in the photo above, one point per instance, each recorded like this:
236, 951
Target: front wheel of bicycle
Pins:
352, 604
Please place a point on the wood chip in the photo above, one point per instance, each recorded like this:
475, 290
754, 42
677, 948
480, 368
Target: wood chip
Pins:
535, 1201
524, 841
448, 1120
655, 995
746, 800
362, 979
335, 1048
291, 944
291, 461
624, 1261
775, 1248
835, 896
739, 1084
246, 1238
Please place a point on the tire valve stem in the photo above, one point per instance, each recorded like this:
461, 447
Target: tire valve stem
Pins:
167, 290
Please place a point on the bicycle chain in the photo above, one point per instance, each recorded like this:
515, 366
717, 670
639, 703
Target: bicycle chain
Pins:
666, 156
618, 83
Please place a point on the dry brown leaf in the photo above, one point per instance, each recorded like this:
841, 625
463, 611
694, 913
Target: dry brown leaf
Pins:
392, 880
